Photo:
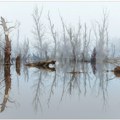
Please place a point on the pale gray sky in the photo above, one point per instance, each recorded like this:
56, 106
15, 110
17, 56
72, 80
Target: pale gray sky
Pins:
88, 12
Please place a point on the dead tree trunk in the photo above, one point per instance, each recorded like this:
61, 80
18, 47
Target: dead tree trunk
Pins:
7, 53
7, 49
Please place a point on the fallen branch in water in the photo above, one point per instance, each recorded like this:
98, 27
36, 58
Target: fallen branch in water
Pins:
42, 65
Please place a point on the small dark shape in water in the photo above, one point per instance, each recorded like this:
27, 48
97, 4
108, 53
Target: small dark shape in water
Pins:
117, 71
93, 61
93, 65
74, 72
93, 56
18, 65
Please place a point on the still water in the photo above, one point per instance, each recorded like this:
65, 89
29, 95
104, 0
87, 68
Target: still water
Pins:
71, 91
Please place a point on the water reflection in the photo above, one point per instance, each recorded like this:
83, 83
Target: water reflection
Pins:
18, 61
76, 77
41, 72
7, 82
37, 91
60, 81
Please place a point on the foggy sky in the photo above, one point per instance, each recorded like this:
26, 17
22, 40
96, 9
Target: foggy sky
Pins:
87, 12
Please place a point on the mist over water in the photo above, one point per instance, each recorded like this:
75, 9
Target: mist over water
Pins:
64, 60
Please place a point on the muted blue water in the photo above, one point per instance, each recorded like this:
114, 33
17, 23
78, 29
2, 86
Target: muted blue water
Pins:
45, 94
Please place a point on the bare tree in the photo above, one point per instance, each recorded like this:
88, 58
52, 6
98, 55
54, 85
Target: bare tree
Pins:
7, 59
38, 30
86, 41
101, 34
54, 34
25, 50
75, 41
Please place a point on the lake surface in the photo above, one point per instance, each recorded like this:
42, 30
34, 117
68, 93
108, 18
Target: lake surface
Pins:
71, 91
70, 30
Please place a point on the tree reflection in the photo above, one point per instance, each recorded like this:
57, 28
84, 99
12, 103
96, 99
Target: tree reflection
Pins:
102, 78
18, 64
7, 81
51, 88
37, 92
74, 81
38, 86
75, 78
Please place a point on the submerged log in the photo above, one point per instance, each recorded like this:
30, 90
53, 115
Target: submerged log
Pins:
46, 68
42, 65
117, 71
